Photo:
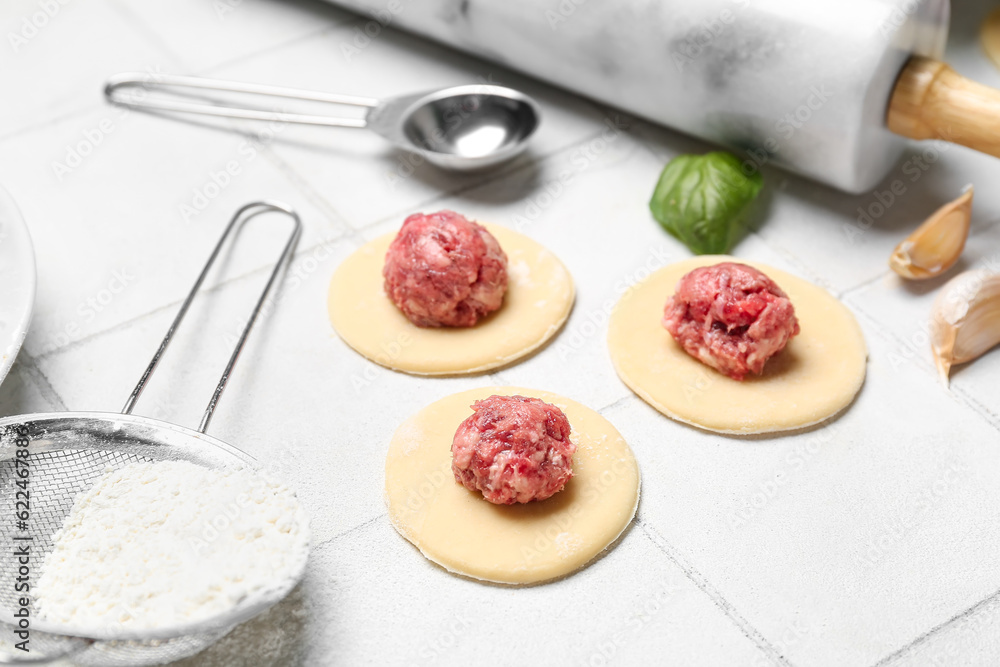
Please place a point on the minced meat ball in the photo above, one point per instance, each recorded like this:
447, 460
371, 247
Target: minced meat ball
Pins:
513, 449
731, 317
442, 270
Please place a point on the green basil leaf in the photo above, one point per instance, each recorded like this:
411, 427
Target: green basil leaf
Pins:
701, 198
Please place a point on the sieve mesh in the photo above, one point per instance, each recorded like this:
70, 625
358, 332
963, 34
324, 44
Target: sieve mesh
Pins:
55, 480
68, 453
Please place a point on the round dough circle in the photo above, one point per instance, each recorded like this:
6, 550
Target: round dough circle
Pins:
539, 298
816, 376
511, 544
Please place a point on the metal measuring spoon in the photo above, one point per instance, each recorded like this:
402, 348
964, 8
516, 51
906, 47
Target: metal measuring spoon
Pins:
461, 128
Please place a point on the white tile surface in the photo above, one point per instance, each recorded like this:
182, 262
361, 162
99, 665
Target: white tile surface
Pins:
202, 35
374, 575
870, 541
60, 56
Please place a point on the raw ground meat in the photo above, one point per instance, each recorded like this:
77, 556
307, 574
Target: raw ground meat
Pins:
731, 317
442, 270
513, 449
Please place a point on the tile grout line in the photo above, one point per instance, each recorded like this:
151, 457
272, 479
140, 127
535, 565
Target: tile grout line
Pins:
335, 25
347, 532
292, 41
498, 379
705, 587
52, 120
927, 636
618, 402
303, 186
862, 285
45, 387
975, 405
140, 26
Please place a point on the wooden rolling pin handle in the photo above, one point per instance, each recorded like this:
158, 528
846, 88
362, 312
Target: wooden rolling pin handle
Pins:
932, 101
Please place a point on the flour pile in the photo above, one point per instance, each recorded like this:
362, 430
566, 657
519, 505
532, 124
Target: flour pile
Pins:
152, 545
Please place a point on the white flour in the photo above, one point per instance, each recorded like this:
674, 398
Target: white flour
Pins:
152, 545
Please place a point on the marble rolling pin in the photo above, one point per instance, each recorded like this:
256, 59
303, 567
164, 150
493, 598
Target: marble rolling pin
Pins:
826, 89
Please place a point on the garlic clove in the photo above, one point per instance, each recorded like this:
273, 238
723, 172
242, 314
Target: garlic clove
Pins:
965, 319
936, 245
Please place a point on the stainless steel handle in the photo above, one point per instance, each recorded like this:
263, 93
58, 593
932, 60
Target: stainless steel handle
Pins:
164, 82
245, 213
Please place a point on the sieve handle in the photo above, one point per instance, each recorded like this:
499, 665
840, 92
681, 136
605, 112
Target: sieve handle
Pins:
245, 213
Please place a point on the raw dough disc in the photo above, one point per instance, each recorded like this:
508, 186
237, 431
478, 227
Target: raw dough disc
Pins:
539, 298
813, 378
990, 36
512, 544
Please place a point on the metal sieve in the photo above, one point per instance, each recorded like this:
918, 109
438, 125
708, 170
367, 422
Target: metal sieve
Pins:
67, 452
